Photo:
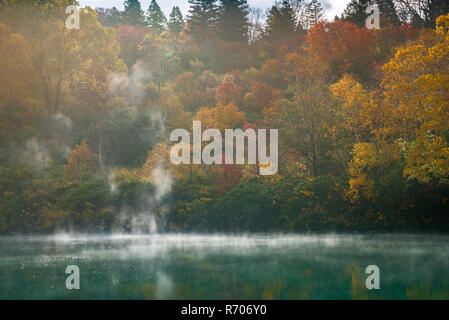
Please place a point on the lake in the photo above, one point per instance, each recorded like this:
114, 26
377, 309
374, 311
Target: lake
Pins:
188, 266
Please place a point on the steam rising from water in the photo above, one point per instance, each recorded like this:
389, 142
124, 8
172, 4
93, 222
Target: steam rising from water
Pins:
162, 178
189, 266
132, 87
37, 153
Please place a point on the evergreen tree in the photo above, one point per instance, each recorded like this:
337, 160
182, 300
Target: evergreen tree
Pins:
202, 17
355, 12
288, 16
388, 10
133, 14
422, 13
314, 12
176, 23
281, 21
155, 17
233, 20
109, 17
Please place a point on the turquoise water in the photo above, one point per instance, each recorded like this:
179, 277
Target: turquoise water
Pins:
225, 266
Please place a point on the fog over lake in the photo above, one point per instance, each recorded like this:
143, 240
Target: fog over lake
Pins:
189, 266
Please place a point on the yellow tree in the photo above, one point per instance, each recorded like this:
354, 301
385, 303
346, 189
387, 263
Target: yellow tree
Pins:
53, 53
356, 107
408, 122
416, 105
16, 73
221, 117
15, 69
64, 59
80, 163
160, 53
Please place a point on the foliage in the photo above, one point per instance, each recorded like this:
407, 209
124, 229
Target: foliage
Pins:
156, 19
85, 117
176, 22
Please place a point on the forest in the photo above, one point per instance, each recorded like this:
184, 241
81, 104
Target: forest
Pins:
86, 115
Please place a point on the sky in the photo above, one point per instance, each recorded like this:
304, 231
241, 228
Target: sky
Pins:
332, 7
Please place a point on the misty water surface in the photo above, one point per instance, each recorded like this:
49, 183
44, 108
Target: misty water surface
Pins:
225, 267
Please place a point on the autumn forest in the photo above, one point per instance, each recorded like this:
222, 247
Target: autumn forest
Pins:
86, 115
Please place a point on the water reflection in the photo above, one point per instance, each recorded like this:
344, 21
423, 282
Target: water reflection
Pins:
225, 266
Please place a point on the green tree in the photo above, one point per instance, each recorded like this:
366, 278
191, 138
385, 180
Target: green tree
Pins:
388, 10
133, 14
110, 17
281, 21
233, 20
202, 19
314, 12
156, 19
176, 23
355, 12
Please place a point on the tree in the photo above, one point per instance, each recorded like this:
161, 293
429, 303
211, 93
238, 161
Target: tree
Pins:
16, 69
129, 38
255, 24
133, 14
221, 117
388, 11
155, 18
99, 57
423, 13
314, 13
227, 92
416, 106
355, 12
53, 55
233, 20
408, 123
281, 22
159, 53
306, 117
80, 163
176, 23
260, 96
110, 17
202, 19
16, 86
356, 107
344, 47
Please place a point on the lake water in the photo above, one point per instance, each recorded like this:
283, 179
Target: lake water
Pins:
225, 266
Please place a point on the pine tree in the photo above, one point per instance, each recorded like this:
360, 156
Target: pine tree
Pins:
109, 17
288, 16
281, 21
155, 18
355, 12
273, 27
202, 17
233, 20
314, 12
176, 23
133, 14
388, 10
